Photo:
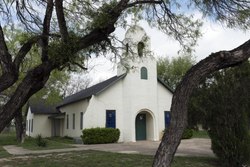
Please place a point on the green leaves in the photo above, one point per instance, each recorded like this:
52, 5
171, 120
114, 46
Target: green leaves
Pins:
172, 71
223, 101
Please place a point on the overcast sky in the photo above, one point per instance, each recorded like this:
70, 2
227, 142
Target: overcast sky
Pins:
215, 38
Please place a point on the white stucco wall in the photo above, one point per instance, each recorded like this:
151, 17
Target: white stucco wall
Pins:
29, 118
41, 125
164, 100
74, 108
109, 99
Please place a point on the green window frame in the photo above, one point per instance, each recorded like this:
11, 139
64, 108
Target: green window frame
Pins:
144, 73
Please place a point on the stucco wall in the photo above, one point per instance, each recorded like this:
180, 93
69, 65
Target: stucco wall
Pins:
41, 125
164, 100
109, 99
29, 118
74, 108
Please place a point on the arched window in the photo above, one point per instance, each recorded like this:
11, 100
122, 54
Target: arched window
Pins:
144, 73
140, 48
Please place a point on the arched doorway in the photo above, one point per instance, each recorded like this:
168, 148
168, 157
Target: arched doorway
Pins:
144, 126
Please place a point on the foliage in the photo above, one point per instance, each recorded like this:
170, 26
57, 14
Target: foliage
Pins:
40, 142
224, 102
90, 158
200, 134
51, 143
171, 71
187, 134
100, 135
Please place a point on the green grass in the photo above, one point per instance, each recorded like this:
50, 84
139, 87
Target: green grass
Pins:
6, 139
3, 153
200, 134
52, 143
29, 143
102, 159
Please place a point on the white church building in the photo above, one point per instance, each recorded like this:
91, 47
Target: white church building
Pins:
135, 101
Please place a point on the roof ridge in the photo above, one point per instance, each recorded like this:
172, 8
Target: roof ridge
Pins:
88, 92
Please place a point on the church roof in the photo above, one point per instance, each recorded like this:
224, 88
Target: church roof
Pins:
165, 85
41, 107
93, 90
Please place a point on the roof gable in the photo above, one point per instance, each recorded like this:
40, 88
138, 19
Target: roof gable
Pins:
41, 107
165, 85
93, 90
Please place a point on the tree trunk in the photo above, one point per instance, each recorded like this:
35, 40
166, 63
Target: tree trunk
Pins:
33, 82
172, 136
19, 126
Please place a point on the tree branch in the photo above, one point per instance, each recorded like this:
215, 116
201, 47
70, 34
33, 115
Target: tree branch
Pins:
99, 34
143, 2
9, 73
46, 29
5, 57
79, 65
33, 82
172, 136
24, 50
61, 20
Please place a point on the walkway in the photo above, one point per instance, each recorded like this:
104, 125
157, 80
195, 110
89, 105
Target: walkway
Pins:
191, 147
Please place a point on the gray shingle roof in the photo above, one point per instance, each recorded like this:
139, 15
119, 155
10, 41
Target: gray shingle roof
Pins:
98, 88
41, 107
165, 85
93, 90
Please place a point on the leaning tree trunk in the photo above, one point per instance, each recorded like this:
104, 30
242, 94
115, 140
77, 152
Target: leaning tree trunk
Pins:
19, 126
172, 137
33, 82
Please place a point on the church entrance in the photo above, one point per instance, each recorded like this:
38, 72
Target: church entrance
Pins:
140, 127
144, 127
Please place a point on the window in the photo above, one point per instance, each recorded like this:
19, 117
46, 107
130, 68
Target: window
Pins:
67, 123
81, 120
26, 124
144, 73
29, 125
140, 48
110, 119
167, 117
32, 125
73, 121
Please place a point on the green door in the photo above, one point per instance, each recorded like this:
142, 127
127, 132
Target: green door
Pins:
140, 127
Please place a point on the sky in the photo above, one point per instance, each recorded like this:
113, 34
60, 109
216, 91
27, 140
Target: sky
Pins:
214, 38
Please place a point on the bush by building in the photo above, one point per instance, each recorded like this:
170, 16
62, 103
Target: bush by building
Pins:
100, 135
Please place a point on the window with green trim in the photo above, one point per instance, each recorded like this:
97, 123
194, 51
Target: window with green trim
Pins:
144, 73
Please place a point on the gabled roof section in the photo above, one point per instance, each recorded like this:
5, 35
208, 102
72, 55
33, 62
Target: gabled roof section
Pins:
41, 107
165, 85
93, 90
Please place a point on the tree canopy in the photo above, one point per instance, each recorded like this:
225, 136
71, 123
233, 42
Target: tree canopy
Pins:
171, 71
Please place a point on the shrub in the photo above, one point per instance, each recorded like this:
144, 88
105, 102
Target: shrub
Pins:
100, 135
187, 134
40, 142
230, 139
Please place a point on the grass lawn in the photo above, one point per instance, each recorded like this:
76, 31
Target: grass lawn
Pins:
200, 134
30, 143
102, 159
52, 143
6, 139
